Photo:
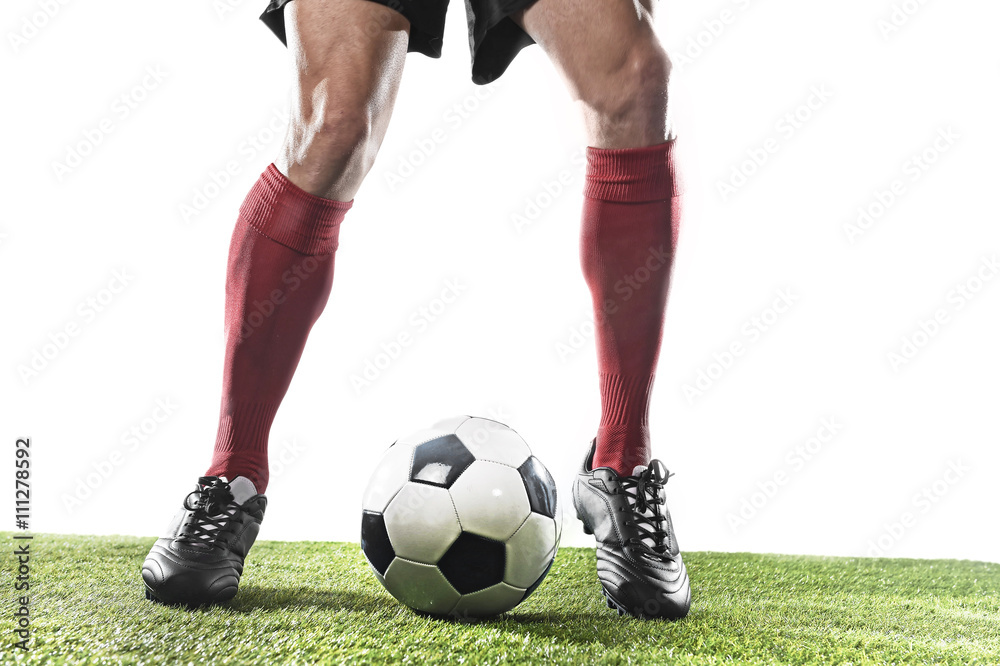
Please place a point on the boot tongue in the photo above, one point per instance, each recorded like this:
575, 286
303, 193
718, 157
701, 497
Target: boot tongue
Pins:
660, 473
242, 489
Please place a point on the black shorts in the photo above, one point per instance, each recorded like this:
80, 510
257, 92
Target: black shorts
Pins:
494, 39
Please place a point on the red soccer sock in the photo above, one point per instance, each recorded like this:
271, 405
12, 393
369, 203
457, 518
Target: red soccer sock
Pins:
280, 272
630, 221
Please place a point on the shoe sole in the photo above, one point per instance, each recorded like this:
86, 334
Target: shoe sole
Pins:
613, 604
152, 596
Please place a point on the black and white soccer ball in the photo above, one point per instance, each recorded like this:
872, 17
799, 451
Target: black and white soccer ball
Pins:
461, 519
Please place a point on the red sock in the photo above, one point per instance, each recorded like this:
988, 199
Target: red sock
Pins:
630, 220
280, 271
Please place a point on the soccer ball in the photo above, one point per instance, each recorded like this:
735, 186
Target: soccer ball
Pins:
460, 519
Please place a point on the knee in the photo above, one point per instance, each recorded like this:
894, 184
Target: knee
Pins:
339, 133
649, 69
633, 90
330, 146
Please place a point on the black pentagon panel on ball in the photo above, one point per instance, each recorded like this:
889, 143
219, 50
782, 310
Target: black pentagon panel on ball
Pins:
473, 563
440, 461
375, 541
540, 486
534, 586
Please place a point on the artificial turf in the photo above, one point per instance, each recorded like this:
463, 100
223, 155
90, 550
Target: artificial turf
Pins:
310, 602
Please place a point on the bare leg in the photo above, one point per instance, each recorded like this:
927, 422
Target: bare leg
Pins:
349, 57
617, 70
613, 65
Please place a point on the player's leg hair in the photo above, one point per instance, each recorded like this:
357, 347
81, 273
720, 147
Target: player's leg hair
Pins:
348, 57
613, 65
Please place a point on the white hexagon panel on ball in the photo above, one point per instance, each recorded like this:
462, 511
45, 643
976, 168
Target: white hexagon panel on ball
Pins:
530, 551
493, 441
491, 500
392, 472
421, 587
421, 522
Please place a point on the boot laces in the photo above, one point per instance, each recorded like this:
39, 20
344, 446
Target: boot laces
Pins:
212, 508
647, 502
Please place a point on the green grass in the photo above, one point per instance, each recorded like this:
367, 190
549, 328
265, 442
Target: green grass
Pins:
310, 602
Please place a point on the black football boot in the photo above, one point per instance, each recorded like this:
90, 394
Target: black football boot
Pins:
200, 560
638, 561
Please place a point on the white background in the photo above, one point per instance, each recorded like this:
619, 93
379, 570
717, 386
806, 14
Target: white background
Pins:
224, 81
